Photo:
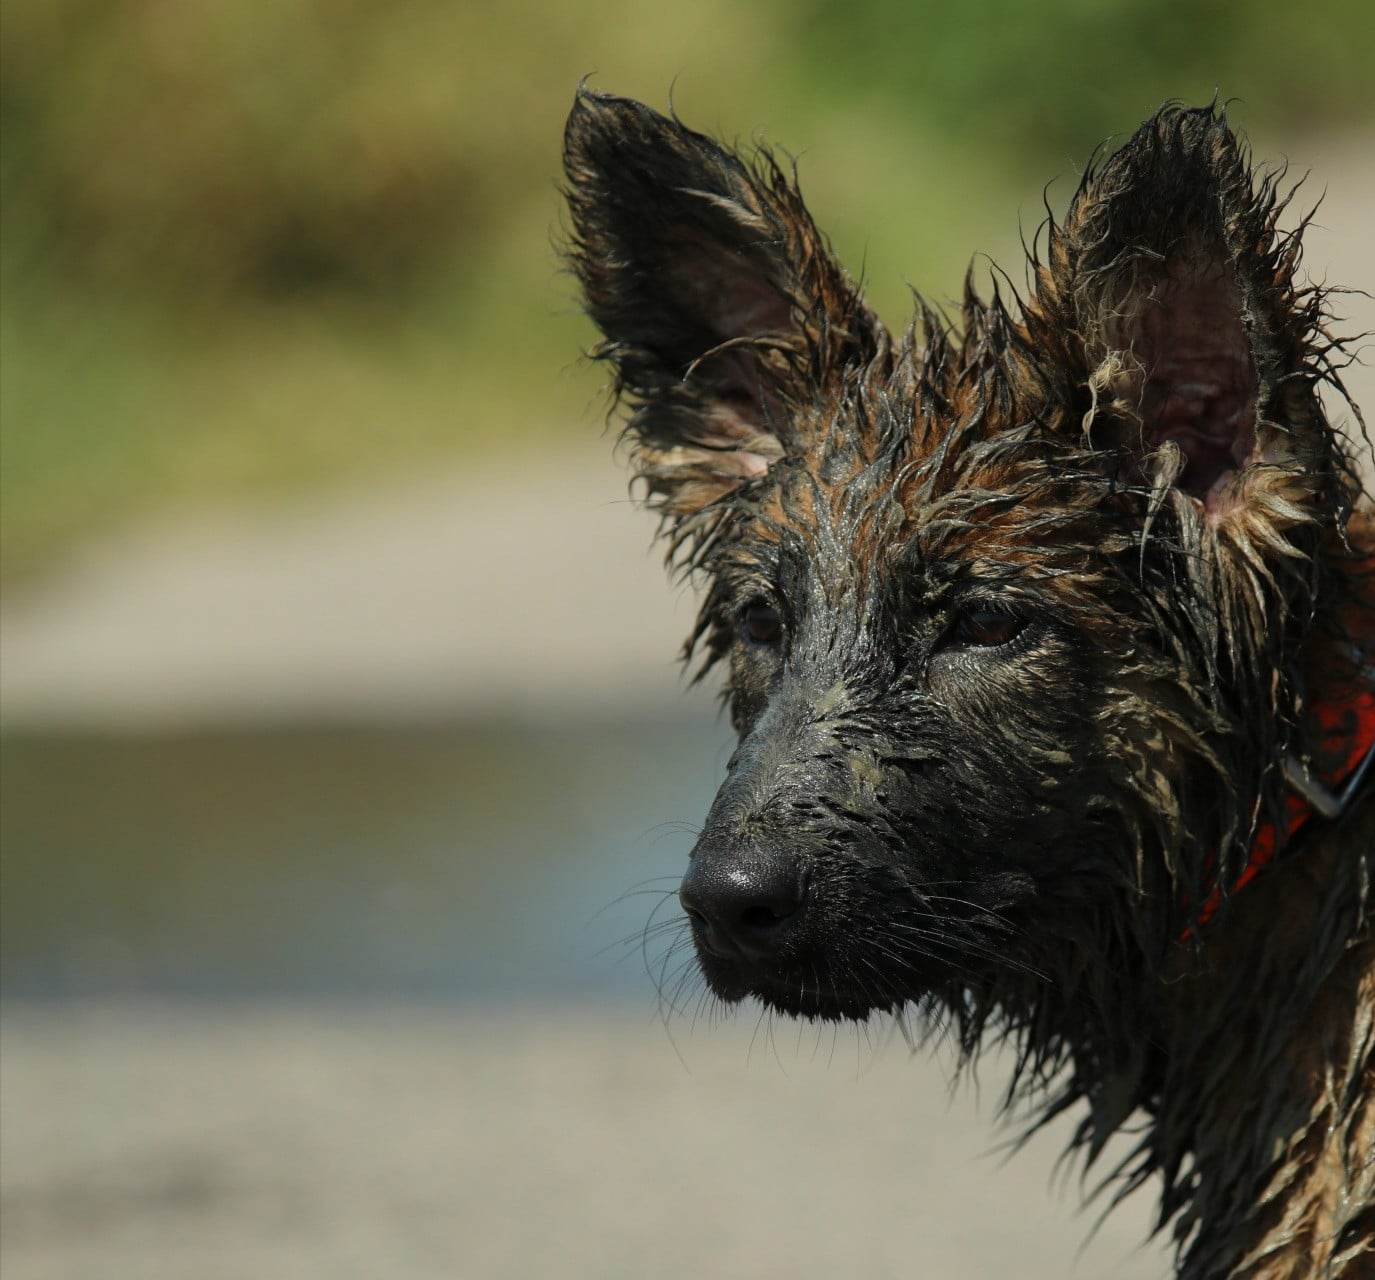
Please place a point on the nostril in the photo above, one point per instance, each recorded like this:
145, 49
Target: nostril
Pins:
746, 906
765, 915
747, 903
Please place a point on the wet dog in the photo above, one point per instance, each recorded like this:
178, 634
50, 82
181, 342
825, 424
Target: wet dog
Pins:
1049, 635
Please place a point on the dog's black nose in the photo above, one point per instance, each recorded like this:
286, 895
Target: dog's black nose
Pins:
743, 906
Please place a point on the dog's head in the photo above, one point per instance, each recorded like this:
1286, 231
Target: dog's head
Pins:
1010, 608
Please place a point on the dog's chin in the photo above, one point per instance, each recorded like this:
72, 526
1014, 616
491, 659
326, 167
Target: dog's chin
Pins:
809, 994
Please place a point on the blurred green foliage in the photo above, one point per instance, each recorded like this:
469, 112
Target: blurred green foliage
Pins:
256, 244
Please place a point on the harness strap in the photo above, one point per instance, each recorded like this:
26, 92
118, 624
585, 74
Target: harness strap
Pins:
1348, 740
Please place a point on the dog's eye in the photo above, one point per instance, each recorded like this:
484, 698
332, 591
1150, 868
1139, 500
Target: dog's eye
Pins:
986, 628
760, 624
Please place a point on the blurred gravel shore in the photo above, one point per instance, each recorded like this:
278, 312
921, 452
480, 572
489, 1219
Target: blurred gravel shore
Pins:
286, 1142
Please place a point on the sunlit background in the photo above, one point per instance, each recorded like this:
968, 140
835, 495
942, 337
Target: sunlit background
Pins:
345, 756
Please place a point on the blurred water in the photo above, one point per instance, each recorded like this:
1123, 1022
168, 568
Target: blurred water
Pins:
405, 1040
481, 862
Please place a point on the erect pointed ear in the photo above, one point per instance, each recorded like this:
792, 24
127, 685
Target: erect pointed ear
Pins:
722, 308
1169, 308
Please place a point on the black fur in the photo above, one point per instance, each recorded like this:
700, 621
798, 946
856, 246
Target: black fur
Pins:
1012, 837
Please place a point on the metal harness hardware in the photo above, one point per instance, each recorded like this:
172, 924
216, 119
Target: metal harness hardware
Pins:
1325, 803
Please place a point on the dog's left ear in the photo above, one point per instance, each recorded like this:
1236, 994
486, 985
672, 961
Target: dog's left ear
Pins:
723, 312
1168, 313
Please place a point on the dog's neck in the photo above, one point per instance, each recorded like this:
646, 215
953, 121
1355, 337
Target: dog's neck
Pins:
1268, 1061
1264, 1115
1250, 1047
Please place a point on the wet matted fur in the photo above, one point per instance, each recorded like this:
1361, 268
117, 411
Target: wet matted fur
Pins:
1022, 617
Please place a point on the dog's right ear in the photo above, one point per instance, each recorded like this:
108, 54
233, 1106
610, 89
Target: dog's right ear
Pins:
722, 308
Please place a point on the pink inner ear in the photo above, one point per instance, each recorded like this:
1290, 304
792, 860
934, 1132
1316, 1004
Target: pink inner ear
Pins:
731, 292
732, 298
1199, 386
749, 308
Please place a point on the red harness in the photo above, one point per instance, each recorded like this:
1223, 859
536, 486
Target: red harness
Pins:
1348, 745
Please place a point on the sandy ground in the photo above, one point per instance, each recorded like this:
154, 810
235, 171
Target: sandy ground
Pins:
294, 1144
518, 586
